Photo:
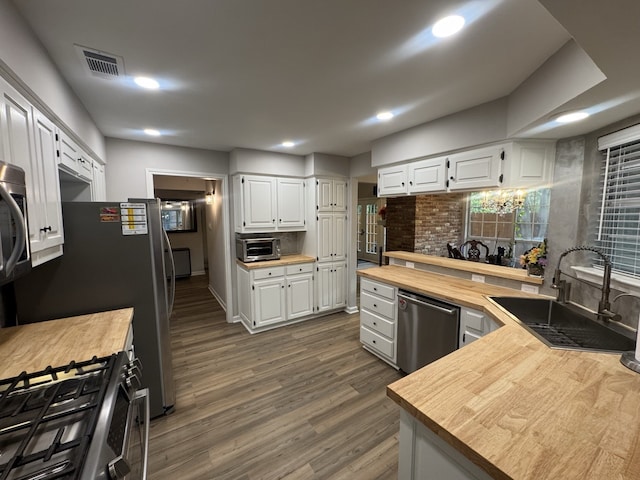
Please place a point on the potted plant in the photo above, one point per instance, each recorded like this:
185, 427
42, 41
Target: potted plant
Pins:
535, 259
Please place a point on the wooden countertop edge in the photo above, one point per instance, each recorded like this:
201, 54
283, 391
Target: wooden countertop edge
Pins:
283, 262
448, 437
473, 267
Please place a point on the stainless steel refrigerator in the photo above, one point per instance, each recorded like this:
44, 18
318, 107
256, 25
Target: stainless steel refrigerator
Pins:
113, 258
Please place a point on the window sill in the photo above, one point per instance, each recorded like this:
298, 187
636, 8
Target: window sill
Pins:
618, 282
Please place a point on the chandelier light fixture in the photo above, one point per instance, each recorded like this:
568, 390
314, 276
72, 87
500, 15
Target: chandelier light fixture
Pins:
502, 201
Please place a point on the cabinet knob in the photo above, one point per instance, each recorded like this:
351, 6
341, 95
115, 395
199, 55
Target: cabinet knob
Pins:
269, 273
374, 341
451, 178
410, 182
273, 221
375, 324
375, 289
375, 306
300, 269
403, 184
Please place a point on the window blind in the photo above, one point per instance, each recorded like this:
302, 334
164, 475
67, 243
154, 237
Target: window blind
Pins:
619, 223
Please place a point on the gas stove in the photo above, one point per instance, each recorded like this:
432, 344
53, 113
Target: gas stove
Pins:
84, 420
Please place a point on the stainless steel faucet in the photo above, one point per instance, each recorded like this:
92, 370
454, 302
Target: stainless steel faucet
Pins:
563, 287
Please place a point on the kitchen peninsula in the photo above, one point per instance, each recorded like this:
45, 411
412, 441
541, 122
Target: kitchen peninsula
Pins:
509, 407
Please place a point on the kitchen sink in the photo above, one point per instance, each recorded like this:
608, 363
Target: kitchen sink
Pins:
561, 325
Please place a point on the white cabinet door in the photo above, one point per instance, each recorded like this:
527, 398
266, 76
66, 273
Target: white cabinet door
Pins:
324, 195
476, 168
17, 132
98, 184
474, 325
51, 232
392, 181
331, 195
299, 295
332, 237
268, 296
339, 222
340, 201
324, 284
259, 198
325, 237
529, 164
73, 159
427, 175
291, 204
339, 285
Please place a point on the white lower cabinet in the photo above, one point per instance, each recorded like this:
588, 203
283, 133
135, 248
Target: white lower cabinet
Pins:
423, 455
473, 325
331, 286
273, 295
378, 319
299, 290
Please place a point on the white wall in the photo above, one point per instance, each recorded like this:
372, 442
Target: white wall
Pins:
216, 246
360, 166
485, 123
25, 63
245, 160
326, 165
129, 161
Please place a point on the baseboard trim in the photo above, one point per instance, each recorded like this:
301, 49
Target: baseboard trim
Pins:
217, 297
351, 310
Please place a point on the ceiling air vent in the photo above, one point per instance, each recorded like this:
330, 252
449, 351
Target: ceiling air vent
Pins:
101, 64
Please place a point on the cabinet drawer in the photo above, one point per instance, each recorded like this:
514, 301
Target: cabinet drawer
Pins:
376, 342
262, 273
300, 268
377, 324
378, 289
378, 305
472, 319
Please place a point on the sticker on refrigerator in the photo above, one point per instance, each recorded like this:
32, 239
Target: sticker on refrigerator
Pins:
109, 214
134, 218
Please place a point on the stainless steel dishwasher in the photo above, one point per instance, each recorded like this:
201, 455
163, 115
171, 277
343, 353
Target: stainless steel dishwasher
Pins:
427, 330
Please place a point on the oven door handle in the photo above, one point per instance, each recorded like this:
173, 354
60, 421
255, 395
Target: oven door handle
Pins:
21, 230
143, 394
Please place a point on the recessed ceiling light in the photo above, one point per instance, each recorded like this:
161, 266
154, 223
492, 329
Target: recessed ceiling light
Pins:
572, 117
288, 144
146, 82
384, 116
152, 132
448, 26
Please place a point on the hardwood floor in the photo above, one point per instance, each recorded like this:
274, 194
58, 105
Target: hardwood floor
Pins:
299, 402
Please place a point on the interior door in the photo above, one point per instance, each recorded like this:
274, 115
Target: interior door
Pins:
370, 228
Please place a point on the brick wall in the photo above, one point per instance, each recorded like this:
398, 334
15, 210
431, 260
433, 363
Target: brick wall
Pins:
425, 223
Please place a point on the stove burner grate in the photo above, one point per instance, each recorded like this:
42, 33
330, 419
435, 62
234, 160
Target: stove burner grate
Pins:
48, 418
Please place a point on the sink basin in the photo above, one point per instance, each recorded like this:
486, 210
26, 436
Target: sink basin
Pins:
561, 325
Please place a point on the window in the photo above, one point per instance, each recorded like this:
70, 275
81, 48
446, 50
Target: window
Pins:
371, 243
618, 232
507, 217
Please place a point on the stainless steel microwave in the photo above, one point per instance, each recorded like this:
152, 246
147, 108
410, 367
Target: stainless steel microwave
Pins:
257, 249
15, 254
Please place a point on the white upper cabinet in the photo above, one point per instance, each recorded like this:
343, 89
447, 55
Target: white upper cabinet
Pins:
28, 139
529, 164
269, 204
475, 169
392, 181
290, 205
331, 195
427, 176
73, 159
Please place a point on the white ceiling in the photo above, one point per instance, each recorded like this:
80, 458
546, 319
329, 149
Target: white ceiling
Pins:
252, 73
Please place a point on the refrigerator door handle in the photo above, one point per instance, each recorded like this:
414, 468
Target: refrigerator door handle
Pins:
172, 294
21, 231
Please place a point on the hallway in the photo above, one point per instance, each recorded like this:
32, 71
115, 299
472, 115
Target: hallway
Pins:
299, 402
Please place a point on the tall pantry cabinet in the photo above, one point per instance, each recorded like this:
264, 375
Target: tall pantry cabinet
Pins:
331, 217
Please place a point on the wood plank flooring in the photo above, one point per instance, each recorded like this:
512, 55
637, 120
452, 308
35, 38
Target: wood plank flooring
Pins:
300, 402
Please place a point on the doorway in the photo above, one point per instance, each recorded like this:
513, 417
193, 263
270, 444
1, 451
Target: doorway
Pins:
370, 240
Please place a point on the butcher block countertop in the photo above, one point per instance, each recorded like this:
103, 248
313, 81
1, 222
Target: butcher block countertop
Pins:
36, 346
517, 408
284, 261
